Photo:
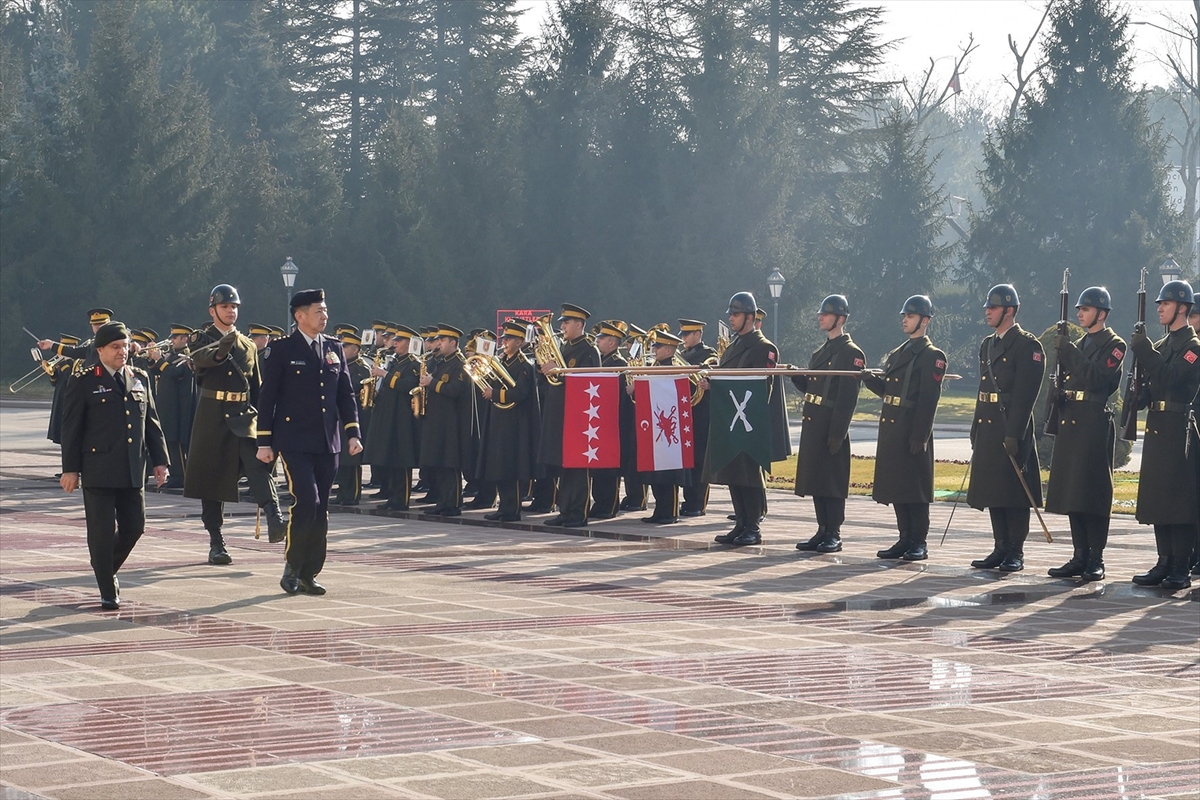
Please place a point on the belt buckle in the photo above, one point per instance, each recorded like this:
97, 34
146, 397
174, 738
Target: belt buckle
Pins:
220, 394
891, 400
989, 397
1159, 405
1076, 395
812, 398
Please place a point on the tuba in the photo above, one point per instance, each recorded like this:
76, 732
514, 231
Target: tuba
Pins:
546, 349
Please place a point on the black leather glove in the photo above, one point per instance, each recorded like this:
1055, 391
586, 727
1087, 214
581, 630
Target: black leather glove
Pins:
1011, 445
1061, 341
916, 447
226, 344
834, 445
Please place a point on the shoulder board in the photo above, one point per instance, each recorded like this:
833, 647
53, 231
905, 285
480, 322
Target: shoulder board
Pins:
140, 371
77, 368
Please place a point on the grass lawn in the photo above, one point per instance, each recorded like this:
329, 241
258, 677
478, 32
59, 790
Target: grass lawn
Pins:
947, 478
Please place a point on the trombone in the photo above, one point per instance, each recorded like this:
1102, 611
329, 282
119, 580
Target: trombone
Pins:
44, 367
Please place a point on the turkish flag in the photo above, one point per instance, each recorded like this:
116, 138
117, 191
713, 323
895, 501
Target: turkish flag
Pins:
665, 439
591, 429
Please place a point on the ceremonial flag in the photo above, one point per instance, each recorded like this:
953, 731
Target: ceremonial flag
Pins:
665, 439
591, 434
740, 421
954, 85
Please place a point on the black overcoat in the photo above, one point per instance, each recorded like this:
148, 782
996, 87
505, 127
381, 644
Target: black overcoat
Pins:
829, 404
446, 429
508, 445
747, 351
175, 396
393, 440
577, 353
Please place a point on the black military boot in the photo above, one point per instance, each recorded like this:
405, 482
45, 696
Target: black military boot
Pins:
811, 544
832, 543
217, 554
896, 550
1093, 569
996, 557
1014, 559
1181, 561
727, 538
276, 524
1079, 558
1154, 576
917, 551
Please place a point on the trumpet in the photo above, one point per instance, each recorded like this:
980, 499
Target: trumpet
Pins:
485, 370
546, 348
44, 367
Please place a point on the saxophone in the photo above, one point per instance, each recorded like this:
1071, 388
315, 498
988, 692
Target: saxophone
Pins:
417, 394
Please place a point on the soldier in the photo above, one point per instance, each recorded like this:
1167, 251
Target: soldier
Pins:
606, 483
573, 483
140, 340
635, 491
1167, 497
393, 446
664, 484
307, 402
1194, 432
781, 436
698, 354
349, 474
60, 375
430, 359
511, 427
483, 493
224, 430
910, 385
743, 476
110, 430
1081, 484
446, 429
261, 336
85, 350
823, 468
1011, 365
175, 397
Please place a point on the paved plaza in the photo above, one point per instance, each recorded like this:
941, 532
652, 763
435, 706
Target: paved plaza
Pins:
465, 659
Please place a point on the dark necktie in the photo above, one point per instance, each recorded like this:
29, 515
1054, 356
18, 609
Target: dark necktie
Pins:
119, 377
316, 346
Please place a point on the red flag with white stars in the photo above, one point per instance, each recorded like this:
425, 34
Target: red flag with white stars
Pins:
665, 438
591, 434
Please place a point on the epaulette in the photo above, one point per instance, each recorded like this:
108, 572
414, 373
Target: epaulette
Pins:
140, 371
77, 368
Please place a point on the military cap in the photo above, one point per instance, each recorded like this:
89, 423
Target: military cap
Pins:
179, 329
1002, 294
429, 331
835, 304
259, 330
1096, 297
570, 311
278, 331
405, 332
351, 337
448, 331
306, 297
110, 332
662, 337
1178, 291
67, 338
760, 314
390, 329
140, 336
613, 327
516, 328
478, 332
345, 328
99, 316
379, 325
633, 330
690, 326
151, 334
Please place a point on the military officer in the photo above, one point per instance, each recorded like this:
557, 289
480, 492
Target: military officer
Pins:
664, 484
1081, 484
698, 354
823, 468
573, 484
175, 397
1167, 497
393, 444
224, 429
349, 474
110, 430
606, 483
910, 385
743, 476
308, 402
512, 426
60, 375
1011, 365
446, 429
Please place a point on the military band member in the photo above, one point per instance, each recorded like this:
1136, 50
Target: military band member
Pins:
1167, 497
277, 333
60, 375
261, 336
140, 340
483, 493
446, 429
175, 397
85, 350
393, 444
636, 494
110, 430
911, 385
1194, 321
606, 483
307, 403
823, 468
1011, 365
223, 442
743, 476
697, 353
664, 484
1081, 484
512, 426
430, 358
349, 474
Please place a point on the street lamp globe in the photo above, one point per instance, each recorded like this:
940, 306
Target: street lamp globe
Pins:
775, 282
1169, 271
289, 270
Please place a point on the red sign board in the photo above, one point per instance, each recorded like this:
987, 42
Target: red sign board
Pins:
503, 315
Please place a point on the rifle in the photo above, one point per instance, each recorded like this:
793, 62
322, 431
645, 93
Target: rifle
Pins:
1133, 384
1054, 397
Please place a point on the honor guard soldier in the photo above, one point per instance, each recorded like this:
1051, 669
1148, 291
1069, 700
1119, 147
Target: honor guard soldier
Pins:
606, 483
1011, 365
175, 398
823, 468
743, 476
110, 430
85, 350
349, 474
1194, 432
573, 484
910, 385
698, 354
664, 484
512, 426
393, 444
60, 375
446, 429
635, 491
1167, 496
224, 430
1081, 482
307, 403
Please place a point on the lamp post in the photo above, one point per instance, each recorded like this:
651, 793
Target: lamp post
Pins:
289, 271
775, 282
1169, 271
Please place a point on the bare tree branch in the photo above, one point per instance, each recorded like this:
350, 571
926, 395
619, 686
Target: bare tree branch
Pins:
1023, 80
